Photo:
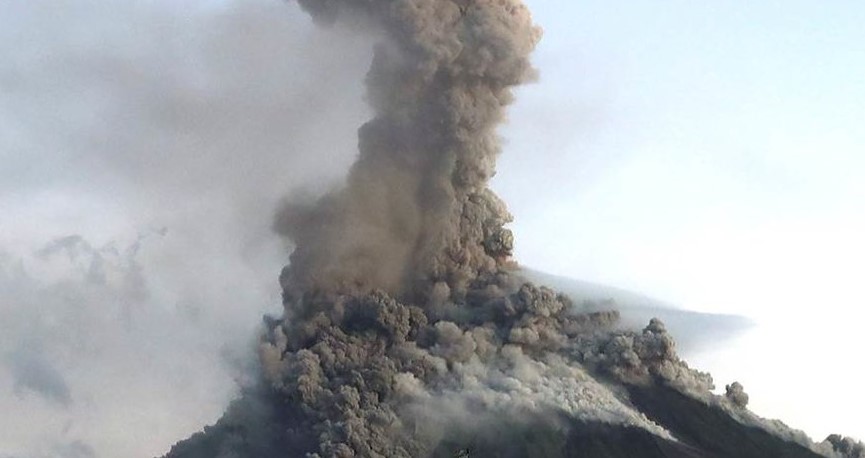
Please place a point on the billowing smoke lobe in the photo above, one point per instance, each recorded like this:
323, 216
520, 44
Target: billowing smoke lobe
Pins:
416, 217
407, 330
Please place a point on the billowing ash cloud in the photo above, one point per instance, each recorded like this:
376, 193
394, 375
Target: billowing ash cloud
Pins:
415, 214
406, 325
846, 447
403, 317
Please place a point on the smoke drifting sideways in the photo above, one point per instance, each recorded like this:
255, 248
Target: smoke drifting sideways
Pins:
406, 323
119, 120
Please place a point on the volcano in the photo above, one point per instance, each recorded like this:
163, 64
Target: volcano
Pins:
408, 328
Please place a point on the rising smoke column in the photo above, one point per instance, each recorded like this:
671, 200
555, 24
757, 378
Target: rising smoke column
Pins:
406, 329
415, 216
402, 316
415, 219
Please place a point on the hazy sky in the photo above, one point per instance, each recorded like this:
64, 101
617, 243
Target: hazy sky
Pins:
708, 155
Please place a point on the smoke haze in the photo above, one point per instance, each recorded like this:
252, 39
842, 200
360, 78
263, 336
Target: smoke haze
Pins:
144, 148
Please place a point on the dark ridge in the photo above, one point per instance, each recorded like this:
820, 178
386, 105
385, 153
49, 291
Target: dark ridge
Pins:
597, 440
253, 428
577, 439
709, 428
238, 435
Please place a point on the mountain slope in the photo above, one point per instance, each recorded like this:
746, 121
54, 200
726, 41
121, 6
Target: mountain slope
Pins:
693, 423
700, 430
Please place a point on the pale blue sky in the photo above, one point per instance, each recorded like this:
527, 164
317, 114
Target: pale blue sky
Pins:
709, 154
734, 110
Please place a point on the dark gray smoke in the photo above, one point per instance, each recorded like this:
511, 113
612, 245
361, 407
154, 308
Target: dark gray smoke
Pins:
415, 215
405, 322
737, 395
846, 447
403, 316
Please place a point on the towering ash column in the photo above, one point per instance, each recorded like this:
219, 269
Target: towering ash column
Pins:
415, 216
404, 335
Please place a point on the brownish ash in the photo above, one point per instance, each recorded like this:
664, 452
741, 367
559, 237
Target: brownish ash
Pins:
408, 330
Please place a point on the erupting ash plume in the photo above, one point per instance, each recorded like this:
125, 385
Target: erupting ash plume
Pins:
407, 330
416, 218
